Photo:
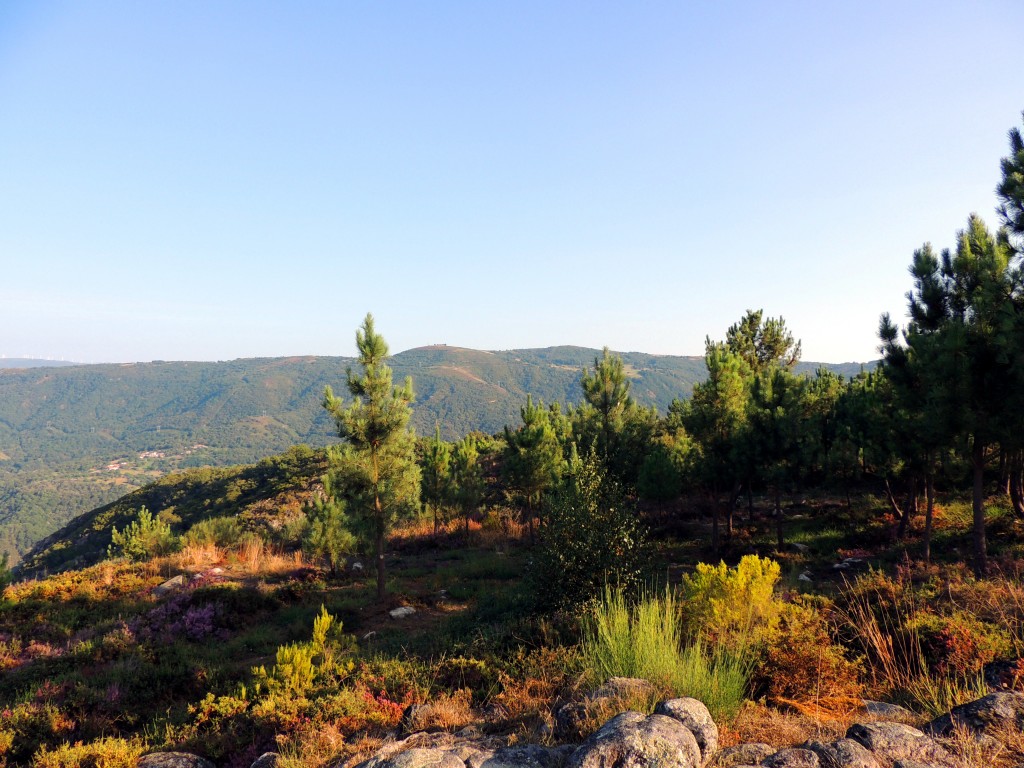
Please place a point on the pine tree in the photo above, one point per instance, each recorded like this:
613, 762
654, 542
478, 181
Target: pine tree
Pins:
468, 484
607, 391
375, 467
436, 485
533, 455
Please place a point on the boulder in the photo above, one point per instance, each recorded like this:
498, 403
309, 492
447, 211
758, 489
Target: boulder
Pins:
571, 719
402, 612
696, 717
417, 757
170, 585
844, 753
889, 711
987, 716
631, 740
751, 753
896, 741
266, 760
173, 760
793, 757
528, 756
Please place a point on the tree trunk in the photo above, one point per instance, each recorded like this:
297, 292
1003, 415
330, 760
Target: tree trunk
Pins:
714, 521
929, 494
1004, 471
750, 504
978, 503
892, 499
909, 509
1017, 483
733, 499
381, 576
778, 517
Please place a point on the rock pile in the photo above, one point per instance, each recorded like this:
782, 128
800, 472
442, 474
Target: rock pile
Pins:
682, 734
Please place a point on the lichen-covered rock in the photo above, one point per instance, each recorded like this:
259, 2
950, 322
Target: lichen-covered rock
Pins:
988, 715
417, 757
571, 719
793, 757
631, 740
896, 741
173, 760
890, 711
844, 753
528, 756
751, 753
696, 717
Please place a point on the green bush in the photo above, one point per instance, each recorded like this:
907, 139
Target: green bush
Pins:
219, 531
327, 536
143, 538
731, 606
645, 641
590, 536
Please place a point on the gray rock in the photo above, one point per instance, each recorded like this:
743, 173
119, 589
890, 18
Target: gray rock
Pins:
896, 741
696, 717
173, 759
793, 757
884, 709
417, 757
844, 753
170, 585
571, 718
630, 740
528, 756
266, 760
995, 712
751, 753
402, 612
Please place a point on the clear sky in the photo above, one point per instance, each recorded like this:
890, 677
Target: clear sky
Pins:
213, 180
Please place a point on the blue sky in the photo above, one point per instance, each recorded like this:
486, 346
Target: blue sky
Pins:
196, 180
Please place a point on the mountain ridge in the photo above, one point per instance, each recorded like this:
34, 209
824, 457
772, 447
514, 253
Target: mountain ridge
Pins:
73, 438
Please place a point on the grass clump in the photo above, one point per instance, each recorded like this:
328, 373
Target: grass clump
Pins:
645, 640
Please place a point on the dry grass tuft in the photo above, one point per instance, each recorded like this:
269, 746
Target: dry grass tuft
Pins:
200, 556
447, 711
757, 722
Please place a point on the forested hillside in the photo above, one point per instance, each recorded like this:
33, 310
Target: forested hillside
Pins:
74, 438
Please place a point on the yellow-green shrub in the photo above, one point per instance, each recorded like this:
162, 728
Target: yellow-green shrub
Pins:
733, 606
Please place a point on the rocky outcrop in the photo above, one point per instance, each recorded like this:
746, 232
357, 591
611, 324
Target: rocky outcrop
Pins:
751, 753
988, 716
173, 760
896, 741
614, 696
844, 753
793, 757
631, 740
682, 734
697, 719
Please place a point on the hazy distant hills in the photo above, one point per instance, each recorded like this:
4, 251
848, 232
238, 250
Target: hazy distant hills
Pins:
75, 437
32, 362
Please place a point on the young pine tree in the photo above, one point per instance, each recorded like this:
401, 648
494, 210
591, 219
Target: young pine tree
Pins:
375, 467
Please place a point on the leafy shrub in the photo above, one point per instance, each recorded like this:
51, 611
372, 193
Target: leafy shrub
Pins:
327, 536
217, 531
459, 673
107, 752
645, 641
590, 536
298, 665
731, 606
960, 645
143, 538
801, 663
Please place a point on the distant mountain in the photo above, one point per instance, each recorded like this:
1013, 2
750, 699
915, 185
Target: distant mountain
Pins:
31, 362
73, 438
